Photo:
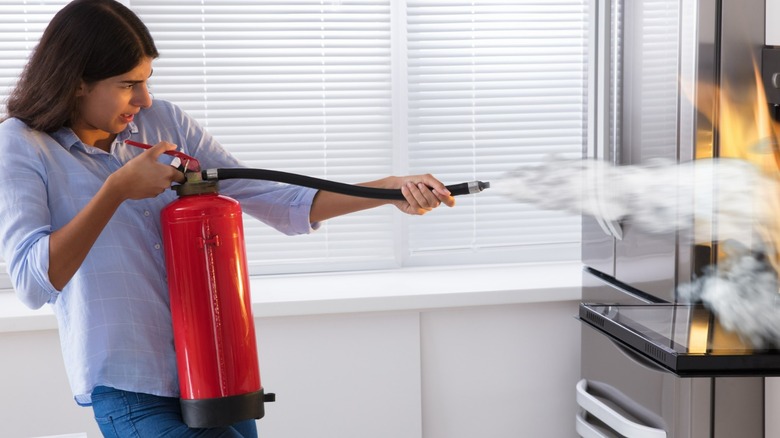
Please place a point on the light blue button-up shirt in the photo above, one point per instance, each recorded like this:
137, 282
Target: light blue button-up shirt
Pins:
113, 315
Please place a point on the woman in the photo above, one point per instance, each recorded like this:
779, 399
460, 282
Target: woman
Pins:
79, 211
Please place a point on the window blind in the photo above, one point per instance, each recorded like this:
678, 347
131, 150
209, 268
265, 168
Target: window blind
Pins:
354, 90
492, 86
21, 25
298, 86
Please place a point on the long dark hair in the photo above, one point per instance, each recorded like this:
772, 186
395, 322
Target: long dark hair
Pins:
87, 40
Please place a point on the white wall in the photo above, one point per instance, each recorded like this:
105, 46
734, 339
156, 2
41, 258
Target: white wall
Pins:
348, 375
35, 398
487, 371
500, 372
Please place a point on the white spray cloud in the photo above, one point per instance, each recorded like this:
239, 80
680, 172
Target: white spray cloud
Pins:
743, 293
724, 200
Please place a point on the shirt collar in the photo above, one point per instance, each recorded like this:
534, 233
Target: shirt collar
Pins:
67, 138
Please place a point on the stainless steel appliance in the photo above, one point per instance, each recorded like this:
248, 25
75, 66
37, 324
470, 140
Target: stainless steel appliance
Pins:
653, 367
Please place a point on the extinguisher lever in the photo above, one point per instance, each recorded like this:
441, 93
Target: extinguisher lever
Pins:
269, 398
188, 163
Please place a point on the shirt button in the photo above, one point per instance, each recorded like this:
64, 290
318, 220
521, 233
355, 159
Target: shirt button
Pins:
147, 213
156, 246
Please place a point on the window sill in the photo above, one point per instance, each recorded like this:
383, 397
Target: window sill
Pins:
372, 291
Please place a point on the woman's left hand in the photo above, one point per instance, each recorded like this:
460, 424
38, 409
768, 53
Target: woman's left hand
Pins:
423, 193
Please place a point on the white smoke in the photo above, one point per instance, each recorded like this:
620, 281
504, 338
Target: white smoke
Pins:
659, 197
724, 200
743, 293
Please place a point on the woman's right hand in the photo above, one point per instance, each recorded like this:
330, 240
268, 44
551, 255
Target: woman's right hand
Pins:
144, 176
141, 177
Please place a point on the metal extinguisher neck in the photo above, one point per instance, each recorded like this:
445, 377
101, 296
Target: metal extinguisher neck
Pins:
196, 188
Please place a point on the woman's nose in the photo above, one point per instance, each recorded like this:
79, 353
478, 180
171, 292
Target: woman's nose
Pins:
142, 97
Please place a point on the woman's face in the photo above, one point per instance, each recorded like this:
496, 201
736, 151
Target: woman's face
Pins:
107, 106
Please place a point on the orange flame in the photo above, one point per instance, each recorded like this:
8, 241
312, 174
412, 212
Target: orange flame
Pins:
748, 132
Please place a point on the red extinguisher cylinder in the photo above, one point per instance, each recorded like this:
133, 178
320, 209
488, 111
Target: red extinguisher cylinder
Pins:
208, 283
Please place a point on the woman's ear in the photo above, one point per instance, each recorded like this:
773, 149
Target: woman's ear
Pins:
81, 89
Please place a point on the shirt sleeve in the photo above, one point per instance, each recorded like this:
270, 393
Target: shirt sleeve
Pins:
282, 206
25, 223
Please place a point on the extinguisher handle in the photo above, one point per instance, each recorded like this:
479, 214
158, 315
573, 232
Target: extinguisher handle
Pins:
330, 186
189, 163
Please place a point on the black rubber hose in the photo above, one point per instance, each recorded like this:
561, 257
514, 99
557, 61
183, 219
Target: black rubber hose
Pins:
329, 186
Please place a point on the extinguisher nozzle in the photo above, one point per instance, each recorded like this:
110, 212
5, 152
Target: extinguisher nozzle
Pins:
468, 188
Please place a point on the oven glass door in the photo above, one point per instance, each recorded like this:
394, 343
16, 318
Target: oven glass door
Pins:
686, 339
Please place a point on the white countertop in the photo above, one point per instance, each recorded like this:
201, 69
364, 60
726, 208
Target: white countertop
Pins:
371, 291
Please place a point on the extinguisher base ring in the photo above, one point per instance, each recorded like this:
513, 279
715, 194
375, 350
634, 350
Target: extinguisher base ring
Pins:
223, 411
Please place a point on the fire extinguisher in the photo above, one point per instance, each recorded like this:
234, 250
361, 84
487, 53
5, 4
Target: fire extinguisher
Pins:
208, 282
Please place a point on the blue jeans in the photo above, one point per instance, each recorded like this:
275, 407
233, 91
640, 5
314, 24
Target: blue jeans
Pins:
121, 414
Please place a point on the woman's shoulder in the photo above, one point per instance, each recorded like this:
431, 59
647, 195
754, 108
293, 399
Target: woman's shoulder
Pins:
162, 104
12, 124
161, 107
14, 131
21, 144
163, 112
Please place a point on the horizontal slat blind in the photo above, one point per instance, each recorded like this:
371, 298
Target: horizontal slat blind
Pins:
306, 86
299, 86
493, 85
21, 25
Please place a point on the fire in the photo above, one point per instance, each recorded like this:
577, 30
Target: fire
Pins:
747, 131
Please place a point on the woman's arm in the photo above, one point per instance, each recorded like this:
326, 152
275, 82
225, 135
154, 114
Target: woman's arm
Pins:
422, 192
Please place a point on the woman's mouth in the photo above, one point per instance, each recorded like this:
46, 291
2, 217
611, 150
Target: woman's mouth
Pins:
127, 118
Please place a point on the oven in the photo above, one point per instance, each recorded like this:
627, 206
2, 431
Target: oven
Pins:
652, 364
